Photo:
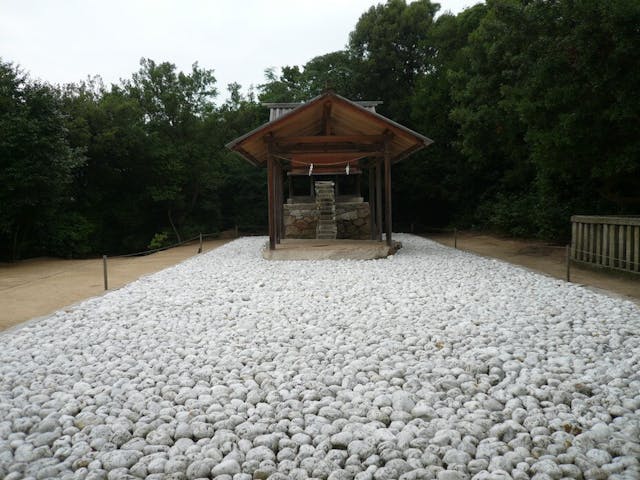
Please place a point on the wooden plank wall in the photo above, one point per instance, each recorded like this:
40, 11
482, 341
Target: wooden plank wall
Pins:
612, 242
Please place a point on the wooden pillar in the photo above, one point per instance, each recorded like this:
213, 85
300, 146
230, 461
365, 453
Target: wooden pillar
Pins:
628, 248
282, 201
598, 242
372, 201
612, 244
271, 201
636, 248
605, 244
387, 194
379, 199
278, 205
620, 256
574, 239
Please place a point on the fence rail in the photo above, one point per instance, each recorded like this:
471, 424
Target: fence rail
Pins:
611, 242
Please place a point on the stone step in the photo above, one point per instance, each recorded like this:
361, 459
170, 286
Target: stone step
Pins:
326, 205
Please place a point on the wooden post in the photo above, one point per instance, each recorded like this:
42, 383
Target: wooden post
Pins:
104, 272
235, 229
586, 242
605, 244
620, 255
598, 243
379, 200
591, 242
568, 260
277, 178
387, 195
372, 201
200, 247
612, 244
281, 204
628, 265
636, 248
271, 202
574, 239
580, 243
455, 238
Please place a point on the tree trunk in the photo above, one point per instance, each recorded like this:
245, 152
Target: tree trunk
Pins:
175, 230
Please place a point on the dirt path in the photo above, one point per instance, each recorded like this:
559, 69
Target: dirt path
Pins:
40, 286
543, 258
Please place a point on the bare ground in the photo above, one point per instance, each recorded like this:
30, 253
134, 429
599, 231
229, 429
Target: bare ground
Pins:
39, 286
545, 258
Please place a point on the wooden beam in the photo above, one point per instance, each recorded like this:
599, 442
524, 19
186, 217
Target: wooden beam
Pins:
330, 139
318, 148
322, 170
387, 193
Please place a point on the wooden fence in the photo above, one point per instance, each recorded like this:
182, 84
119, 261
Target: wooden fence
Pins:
612, 242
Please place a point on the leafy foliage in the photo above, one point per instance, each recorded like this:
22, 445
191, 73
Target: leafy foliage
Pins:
36, 163
532, 104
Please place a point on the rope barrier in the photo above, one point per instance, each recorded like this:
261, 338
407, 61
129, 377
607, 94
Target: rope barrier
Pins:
148, 252
160, 249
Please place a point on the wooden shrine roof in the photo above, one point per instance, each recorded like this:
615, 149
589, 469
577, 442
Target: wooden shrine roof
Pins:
329, 132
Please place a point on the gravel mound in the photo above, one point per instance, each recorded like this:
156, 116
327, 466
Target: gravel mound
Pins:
432, 364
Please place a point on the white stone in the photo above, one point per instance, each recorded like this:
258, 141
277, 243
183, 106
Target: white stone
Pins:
120, 459
226, 467
237, 359
260, 454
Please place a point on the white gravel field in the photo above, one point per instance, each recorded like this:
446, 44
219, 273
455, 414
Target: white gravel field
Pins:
432, 364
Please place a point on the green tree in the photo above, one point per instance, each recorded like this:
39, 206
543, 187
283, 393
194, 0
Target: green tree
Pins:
390, 50
175, 105
36, 166
579, 104
439, 176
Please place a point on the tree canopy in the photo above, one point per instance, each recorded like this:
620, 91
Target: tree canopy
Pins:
532, 105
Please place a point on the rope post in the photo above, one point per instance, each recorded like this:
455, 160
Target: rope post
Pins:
455, 238
568, 260
200, 247
104, 271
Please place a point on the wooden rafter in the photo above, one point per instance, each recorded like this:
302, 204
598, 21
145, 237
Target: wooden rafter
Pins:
314, 139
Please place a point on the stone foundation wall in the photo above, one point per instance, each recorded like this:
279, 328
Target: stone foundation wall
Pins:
353, 220
300, 220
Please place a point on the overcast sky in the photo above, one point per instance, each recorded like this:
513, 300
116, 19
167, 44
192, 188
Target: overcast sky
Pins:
66, 40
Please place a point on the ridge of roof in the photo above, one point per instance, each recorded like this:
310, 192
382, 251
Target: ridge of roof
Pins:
298, 106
